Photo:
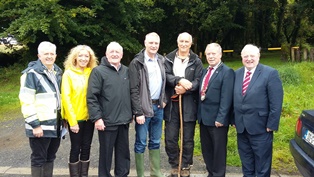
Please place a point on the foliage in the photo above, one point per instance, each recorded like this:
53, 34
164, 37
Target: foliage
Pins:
232, 23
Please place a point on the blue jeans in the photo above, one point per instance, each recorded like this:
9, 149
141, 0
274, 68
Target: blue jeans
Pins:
152, 126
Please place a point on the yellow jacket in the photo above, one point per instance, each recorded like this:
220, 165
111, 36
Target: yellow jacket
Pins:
74, 90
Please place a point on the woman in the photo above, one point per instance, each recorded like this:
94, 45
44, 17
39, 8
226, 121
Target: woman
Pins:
78, 65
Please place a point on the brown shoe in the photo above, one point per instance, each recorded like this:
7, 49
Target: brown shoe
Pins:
185, 173
174, 172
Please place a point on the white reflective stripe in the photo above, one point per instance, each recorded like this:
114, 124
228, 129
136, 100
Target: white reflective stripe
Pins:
25, 90
44, 127
45, 96
43, 83
31, 118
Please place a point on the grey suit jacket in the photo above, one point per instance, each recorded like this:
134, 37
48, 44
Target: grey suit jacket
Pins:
260, 107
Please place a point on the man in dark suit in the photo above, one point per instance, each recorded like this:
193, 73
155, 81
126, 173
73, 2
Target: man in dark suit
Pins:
215, 103
258, 97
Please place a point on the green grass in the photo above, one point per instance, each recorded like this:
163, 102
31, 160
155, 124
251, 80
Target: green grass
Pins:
298, 82
10, 85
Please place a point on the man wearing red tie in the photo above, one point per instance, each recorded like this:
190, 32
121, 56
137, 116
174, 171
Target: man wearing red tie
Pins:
214, 111
258, 97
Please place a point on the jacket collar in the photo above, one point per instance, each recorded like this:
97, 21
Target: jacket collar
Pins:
39, 67
172, 55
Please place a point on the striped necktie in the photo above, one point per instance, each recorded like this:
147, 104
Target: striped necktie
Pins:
205, 83
246, 82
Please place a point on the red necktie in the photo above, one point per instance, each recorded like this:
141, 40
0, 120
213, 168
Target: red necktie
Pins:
205, 83
246, 82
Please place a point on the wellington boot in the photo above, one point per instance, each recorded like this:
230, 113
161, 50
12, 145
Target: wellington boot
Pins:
154, 158
48, 169
84, 168
37, 171
74, 169
139, 161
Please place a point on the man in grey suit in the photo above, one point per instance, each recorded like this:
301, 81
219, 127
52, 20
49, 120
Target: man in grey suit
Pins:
258, 97
214, 110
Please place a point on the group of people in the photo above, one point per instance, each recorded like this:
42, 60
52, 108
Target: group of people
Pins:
174, 88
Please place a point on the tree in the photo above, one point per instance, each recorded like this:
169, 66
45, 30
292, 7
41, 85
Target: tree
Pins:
68, 23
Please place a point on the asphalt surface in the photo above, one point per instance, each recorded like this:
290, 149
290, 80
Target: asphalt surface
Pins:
15, 155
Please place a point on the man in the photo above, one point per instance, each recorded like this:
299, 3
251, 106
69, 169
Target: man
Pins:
148, 80
40, 102
258, 97
214, 111
183, 72
109, 106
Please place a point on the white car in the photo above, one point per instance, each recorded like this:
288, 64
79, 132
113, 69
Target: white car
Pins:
10, 40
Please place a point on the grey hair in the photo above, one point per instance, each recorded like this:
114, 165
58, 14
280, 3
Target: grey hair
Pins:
216, 45
185, 33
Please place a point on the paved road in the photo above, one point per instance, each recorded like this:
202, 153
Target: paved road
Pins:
15, 152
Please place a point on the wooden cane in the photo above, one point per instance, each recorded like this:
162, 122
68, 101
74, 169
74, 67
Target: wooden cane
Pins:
181, 135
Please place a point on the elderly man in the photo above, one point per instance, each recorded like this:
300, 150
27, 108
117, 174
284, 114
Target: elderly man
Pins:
214, 111
148, 80
40, 102
109, 106
183, 72
258, 97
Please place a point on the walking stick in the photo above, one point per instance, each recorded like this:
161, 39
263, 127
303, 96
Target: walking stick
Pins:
181, 135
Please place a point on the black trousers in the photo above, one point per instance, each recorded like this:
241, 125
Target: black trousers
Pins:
172, 129
214, 149
114, 139
43, 150
81, 141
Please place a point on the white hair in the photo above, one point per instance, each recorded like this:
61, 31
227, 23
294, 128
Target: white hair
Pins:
250, 48
44, 45
114, 45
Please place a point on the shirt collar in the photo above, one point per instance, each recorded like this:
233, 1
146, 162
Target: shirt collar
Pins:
252, 70
147, 58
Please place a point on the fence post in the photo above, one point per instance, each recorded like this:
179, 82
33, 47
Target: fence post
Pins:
304, 54
298, 55
292, 54
311, 54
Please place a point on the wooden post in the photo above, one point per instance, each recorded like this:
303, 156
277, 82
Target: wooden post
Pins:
292, 54
304, 54
298, 55
311, 54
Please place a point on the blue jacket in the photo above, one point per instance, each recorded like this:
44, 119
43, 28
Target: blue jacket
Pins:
260, 108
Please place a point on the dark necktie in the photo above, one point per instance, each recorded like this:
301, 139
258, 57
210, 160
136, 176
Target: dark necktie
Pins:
205, 83
246, 82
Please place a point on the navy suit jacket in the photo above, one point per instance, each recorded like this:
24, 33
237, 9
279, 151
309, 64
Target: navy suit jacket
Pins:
218, 100
260, 107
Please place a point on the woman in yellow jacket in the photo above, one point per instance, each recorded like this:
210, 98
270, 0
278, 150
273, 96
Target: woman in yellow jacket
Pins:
78, 65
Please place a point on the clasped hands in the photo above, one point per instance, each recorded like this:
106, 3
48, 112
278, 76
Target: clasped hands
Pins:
183, 86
